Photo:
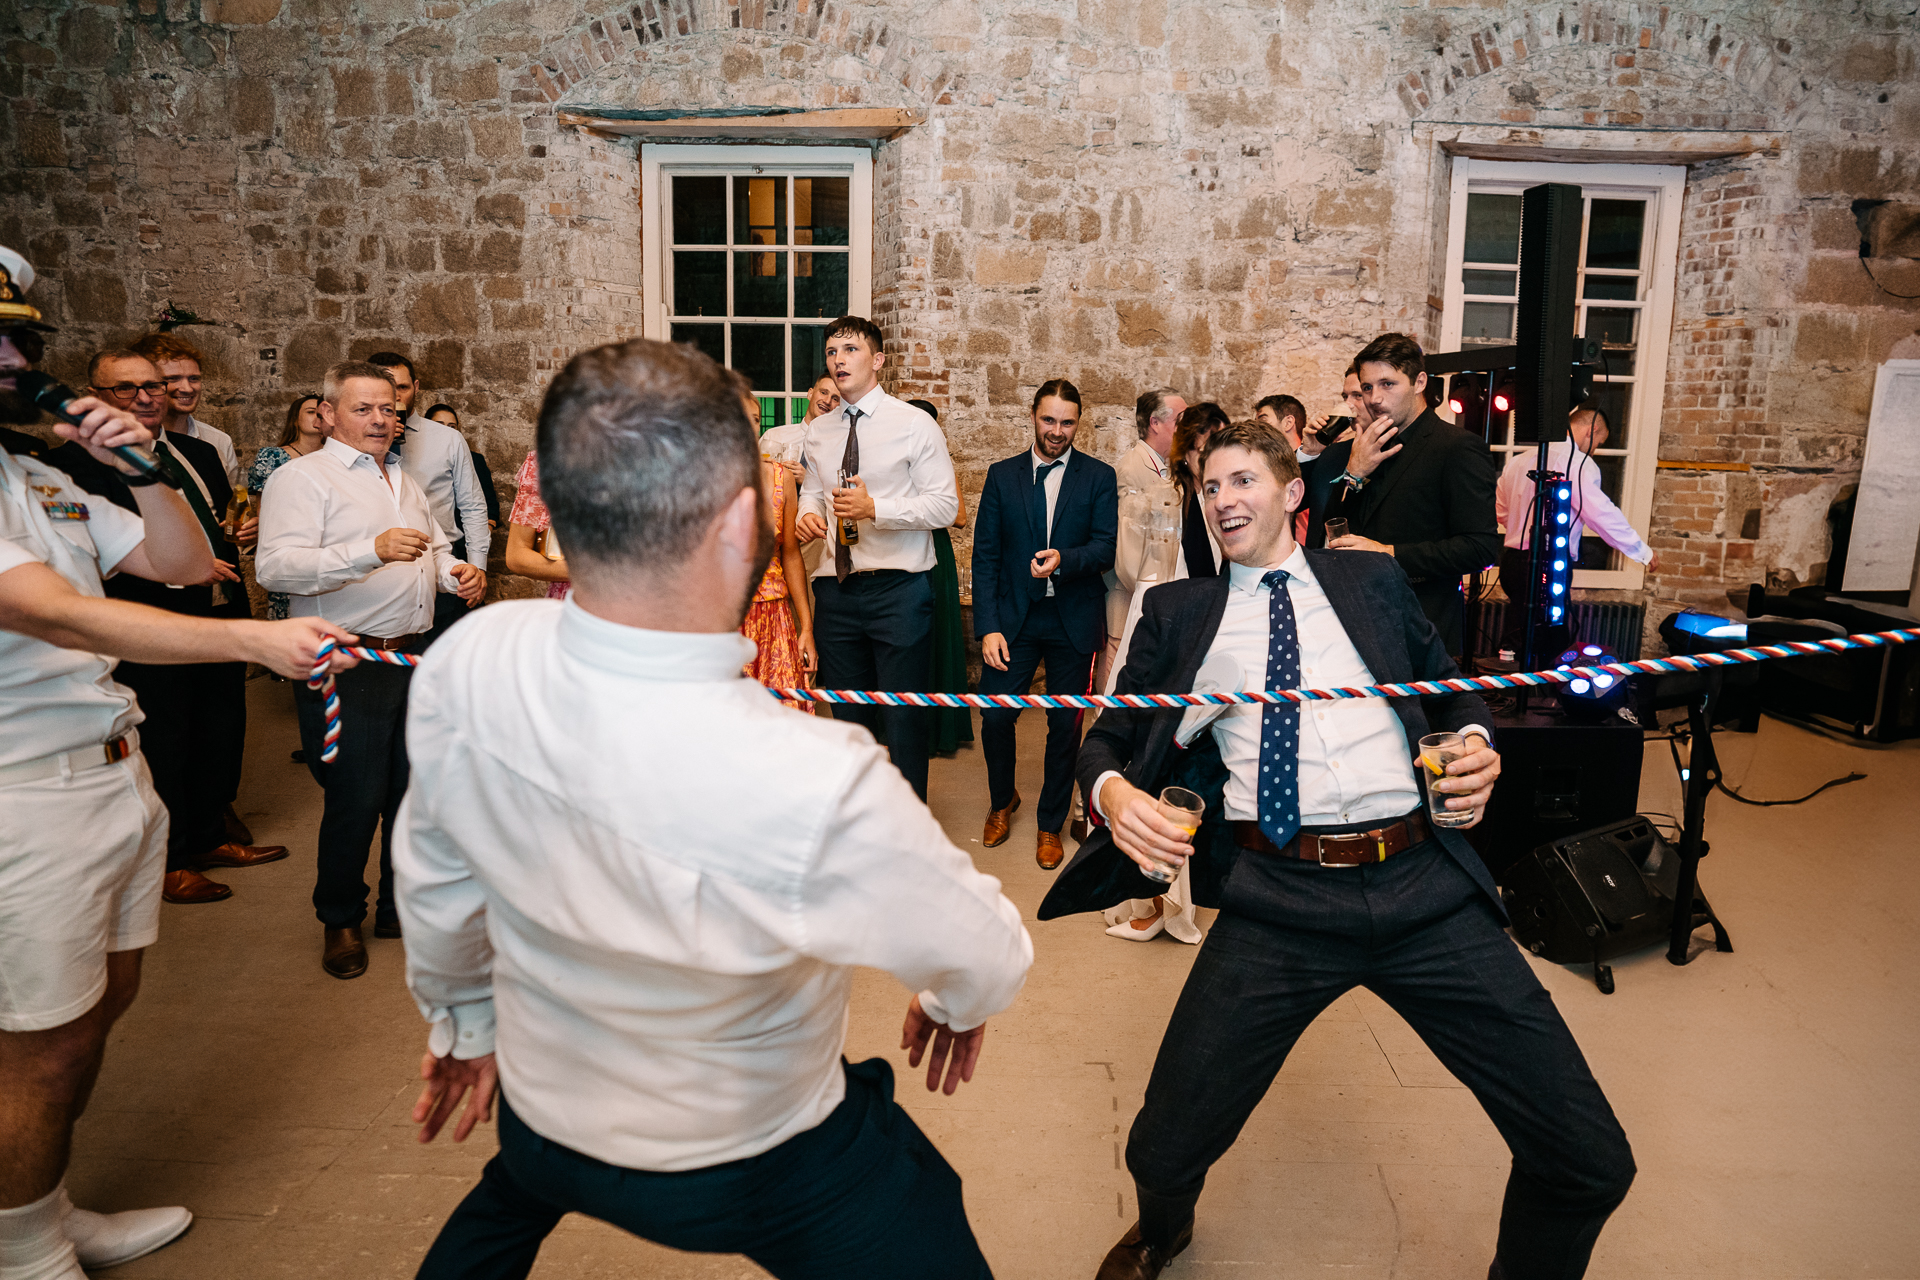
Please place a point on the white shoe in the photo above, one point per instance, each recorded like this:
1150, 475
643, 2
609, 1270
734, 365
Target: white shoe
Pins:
1126, 930
109, 1239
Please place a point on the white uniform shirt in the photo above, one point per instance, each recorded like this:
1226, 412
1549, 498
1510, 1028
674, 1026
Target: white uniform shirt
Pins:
222, 443
1513, 501
438, 459
319, 517
904, 462
54, 699
600, 847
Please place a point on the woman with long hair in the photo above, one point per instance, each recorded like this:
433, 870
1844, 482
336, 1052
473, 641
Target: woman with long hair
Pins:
533, 551
780, 619
303, 434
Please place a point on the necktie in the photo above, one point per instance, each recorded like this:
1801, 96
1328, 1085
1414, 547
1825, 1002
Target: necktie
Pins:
849, 466
190, 490
1037, 506
1280, 722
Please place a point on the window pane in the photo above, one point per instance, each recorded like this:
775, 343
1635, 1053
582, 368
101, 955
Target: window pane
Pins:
809, 354
1614, 327
757, 354
1613, 233
1623, 288
1613, 399
710, 338
699, 210
760, 284
1486, 322
1493, 228
772, 411
820, 285
1594, 552
700, 284
759, 210
1500, 283
821, 210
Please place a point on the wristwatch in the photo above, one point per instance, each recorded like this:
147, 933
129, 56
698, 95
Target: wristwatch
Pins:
141, 479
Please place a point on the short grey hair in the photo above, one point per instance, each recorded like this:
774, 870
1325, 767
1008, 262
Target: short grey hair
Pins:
1152, 404
347, 370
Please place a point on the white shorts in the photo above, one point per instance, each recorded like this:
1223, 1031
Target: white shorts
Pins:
81, 862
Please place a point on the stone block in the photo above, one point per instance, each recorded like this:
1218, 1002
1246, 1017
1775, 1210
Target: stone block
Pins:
1143, 324
508, 363
253, 106
947, 262
353, 92
236, 13
1827, 338
309, 353
41, 142
96, 297
1838, 281
427, 140
988, 342
496, 137
399, 93
88, 37
443, 365
475, 82
1359, 208
505, 210
513, 317
450, 307
508, 287
996, 266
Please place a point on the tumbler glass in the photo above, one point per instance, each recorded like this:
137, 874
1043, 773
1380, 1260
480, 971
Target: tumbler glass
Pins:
1437, 750
1336, 528
1183, 809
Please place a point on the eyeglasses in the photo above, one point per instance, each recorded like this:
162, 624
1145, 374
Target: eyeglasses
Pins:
125, 391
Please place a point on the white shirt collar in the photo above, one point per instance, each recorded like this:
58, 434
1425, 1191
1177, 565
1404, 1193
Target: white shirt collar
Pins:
1245, 578
690, 656
865, 404
348, 456
1039, 462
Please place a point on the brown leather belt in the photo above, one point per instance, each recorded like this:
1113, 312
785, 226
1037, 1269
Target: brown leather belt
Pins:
1339, 849
394, 644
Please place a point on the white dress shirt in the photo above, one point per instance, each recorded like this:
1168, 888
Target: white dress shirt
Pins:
1052, 486
222, 443
605, 847
438, 459
1354, 762
776, 440
1513, 496
54, 699
319, 517
904, 462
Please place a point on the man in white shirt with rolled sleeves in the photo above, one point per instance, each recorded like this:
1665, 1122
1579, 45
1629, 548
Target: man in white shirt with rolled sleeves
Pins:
662, 957
873, 599
349, 536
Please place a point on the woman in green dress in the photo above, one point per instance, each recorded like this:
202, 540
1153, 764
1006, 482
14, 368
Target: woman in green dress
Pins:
949, 726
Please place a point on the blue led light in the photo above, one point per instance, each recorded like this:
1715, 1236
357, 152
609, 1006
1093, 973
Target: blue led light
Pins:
1560, 543
1557, 589
1559, 566
1578, 686
1603, 681
1556, 613
1565, 494
1562, 517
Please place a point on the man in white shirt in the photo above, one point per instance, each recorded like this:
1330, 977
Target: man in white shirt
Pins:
1593, 511
661, 956
1155, 415
83, 835
438, 459
1318, 850
348, 535
873, 599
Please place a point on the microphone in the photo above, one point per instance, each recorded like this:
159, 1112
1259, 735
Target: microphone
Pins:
54, 397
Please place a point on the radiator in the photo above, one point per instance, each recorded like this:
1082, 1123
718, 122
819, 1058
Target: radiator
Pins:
1614, 627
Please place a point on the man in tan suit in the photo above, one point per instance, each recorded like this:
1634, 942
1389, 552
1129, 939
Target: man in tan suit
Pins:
1144, 467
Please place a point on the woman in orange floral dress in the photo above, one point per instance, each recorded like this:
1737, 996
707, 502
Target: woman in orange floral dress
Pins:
527, 521
780, 621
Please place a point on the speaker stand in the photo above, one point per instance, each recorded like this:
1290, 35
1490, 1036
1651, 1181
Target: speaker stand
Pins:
1690, 907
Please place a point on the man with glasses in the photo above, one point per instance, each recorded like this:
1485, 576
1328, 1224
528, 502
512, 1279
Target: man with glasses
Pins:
179, 364
195, 734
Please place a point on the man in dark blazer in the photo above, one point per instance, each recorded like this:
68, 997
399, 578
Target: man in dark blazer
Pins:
1045, 535
1317, 849
194, 737
1412, 485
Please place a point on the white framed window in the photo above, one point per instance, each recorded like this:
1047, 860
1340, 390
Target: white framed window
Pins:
1629, 255
749, 252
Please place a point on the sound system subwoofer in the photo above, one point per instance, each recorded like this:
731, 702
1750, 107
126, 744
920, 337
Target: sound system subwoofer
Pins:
1594, 895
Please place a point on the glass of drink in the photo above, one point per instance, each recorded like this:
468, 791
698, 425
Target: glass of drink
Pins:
238, 509
1336, 528
849, 529
1437, 750
1183, 809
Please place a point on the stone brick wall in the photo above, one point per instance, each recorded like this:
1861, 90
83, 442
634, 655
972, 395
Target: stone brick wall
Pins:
1230, 197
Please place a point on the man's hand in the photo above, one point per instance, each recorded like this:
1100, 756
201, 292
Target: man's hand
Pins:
247, 532
993, 650
473, 583
964, 1047
852, 502
1045, 562
103, 427
1371, 448
1354, 542
1141, 830
448, 1080
401, 544
810, 527
1469, 781
221, 572
809, 652
287, 647
1653, 560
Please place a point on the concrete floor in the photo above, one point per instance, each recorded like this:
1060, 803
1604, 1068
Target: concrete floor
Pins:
1770, 1094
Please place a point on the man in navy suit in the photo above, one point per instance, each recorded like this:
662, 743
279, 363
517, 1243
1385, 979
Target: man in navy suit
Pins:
1045, 535
1317, 848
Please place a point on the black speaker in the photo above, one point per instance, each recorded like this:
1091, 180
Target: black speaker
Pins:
1556, 779
1594, 895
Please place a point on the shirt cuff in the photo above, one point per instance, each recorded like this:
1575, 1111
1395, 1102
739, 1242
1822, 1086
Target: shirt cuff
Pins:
362, 555
931, 1006
886, 512
1099, 785
1482, 730
465, 1031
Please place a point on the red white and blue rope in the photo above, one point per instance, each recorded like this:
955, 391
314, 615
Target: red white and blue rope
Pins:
323, 680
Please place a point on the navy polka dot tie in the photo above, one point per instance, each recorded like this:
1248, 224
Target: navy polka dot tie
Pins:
1280, 722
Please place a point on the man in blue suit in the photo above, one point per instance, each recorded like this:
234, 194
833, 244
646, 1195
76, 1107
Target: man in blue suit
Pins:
1045, 535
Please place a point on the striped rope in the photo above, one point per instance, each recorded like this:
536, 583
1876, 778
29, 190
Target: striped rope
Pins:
323, 680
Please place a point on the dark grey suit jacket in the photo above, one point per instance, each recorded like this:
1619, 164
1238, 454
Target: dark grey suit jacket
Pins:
1370, 594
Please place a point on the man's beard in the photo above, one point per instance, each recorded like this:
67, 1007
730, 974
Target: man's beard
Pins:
762, 557
17, 409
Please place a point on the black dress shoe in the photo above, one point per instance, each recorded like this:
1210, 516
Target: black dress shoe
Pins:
386, 926
345, 953
1135, 1259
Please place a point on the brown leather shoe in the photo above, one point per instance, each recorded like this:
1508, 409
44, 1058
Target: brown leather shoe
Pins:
999, 823
345, 953
1048, 851
237, 830
191, 886
1135, 1259
244, 855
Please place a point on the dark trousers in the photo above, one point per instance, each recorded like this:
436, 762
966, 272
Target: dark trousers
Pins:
364, 785
194, 739
1042, 639
863, 1193
1415, 930
875, 631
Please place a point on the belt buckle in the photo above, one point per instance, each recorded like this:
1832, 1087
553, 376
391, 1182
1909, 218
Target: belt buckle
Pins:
1355, 841
117, 750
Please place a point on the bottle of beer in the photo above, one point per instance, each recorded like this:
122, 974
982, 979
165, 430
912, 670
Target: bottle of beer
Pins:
849, 529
